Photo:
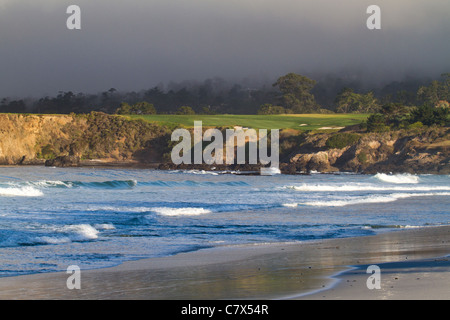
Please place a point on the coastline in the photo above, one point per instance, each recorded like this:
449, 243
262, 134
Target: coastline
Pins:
412, 262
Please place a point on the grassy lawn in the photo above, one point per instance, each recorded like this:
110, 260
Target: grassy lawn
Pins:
291, 121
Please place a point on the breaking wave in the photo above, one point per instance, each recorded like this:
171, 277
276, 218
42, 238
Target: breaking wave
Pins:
30, 185
164, 211
70, 233
53, 234
363, 200
397, 178
27, 191
364, 187
120, 184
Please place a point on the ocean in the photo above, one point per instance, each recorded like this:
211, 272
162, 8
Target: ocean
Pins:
51, 218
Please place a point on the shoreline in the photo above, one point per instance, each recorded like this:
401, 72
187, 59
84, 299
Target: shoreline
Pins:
231, 169
317, 269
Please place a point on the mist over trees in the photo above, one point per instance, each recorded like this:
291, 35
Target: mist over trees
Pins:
290, 93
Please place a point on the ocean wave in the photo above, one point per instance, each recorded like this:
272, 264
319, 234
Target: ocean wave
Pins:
368, 199
201, 172
159, 207
104, 226
73, 232
165, 211
50, 234
363, 187
81, 232
52, 240
118, 209
192, 183
26, 191
397, 178
395, 226
112, 184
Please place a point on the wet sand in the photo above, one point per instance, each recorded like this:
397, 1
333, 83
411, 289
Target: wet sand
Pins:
412, 262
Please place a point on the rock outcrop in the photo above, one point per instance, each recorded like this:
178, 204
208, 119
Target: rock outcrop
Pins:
63, 140
414, 151
64, 161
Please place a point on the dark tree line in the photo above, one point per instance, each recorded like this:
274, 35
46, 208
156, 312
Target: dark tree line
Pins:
291, 93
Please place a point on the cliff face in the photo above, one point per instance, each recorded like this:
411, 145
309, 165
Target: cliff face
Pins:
417, 151
66, 139
21, 136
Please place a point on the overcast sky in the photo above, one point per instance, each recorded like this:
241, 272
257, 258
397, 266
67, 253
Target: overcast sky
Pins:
136, 44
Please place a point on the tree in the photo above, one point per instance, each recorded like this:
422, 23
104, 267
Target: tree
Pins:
429, 115
397, 114
347, 101
351, 102
185, 110
377, 123
142, 107
271, 109
368, 103
437, 91
296, 93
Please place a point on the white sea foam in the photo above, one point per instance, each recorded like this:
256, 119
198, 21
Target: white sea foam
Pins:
50, 183
290, 205
397, 178
69, 233
364, 187
370, 199
269, 171
21, 192
391, 226
164, 211
81, 232
104, 226
201, 172
53, 240
119, 209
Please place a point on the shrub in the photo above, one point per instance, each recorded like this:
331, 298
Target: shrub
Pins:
342, 140
142, 107
271, 109
429, 115
415, 125
377, 123
47, 152
362, 157
185, 110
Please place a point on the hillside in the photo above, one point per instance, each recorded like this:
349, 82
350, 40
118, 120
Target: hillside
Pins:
35, 139
404, 151
100, 139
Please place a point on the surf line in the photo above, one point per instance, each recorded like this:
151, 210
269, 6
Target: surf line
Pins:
245, 142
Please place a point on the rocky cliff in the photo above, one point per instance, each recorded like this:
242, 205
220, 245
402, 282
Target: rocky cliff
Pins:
71, 140
423, 150
22, 136
66, 140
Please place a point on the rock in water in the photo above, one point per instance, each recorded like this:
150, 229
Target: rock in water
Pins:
64, 161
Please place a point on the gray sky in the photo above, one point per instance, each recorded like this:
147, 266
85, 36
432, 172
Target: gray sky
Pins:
136, 44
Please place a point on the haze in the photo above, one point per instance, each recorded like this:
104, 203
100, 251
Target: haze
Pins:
137, 44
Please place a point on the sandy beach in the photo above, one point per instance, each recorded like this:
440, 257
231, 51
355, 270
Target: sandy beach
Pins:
412, 262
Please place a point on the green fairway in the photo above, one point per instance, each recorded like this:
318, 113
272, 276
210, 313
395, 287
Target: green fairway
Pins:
287, 121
